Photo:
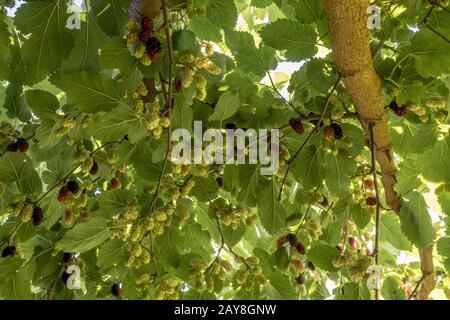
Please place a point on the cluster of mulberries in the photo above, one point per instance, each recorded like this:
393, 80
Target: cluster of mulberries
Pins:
144, 38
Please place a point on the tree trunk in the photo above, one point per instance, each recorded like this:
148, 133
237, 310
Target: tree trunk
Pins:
350, 37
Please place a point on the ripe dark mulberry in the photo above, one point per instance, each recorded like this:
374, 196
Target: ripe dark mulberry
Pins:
67, 256
147, 23
38, 216
353, 243
311, 266
145, 35
9, 252
281, 241
292, 239
393, 105
114, 184
116, 290
22, 144
64, 277
94, 169
178, 85
72, 186
12, 147
153, 45
338, 132
371, 201
401, 111
297, 125
63, 193
301, 248
300, 279
219, 182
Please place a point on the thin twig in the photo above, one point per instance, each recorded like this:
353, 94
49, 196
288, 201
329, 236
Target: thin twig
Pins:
274, 88
168, 103
438, 33
413, 293
377, 195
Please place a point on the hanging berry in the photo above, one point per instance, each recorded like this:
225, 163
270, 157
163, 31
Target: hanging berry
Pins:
297, 125
38, 216
9, 251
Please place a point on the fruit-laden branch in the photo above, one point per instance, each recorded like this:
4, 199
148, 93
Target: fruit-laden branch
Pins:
350, 36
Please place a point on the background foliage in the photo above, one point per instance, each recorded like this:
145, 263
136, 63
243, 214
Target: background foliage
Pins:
73, 101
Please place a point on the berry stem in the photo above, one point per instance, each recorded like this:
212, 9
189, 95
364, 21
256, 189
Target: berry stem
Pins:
169, 102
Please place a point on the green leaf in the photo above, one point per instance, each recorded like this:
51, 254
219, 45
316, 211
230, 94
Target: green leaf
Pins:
227, 105
222, 13
443, 246
115, 54
249, 58
50, 41
114, 202
354, 291
112, 15
271, 211
17, 167
391, 290
85, 236
184, 41
93, 93
16, 103
322, 255
339, 170
307, 10
111, 253
431, 52
299, 40
183, 115
116, 124
84, 55
435, 164
416, 222
43, 103
391, 232
280, 288
308, 167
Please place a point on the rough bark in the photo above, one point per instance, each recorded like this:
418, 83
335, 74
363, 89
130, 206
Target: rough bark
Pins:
144, 8
350, 36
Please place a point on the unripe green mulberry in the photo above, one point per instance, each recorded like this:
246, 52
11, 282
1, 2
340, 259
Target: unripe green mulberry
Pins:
27, 212
436, 104
137, 250
152, 120
187, 58
209, 282
112, 155
202, 62
187, 76
135, 233
62, 131
87, 165
337, 113
213, 69
161, 216
69, 123
157, 132
200, 80
164, 122
145, 60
